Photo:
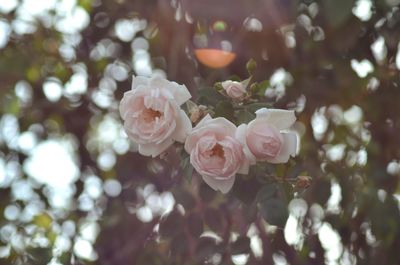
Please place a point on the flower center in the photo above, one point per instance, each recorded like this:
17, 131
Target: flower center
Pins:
149, 115
217, 150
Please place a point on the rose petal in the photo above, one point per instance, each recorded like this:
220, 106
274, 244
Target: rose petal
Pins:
180, 92
124, 104
218, 125
241, 137
244, 168
223, 185
281, 119
139, 81
154, 149
289, 148
183, 127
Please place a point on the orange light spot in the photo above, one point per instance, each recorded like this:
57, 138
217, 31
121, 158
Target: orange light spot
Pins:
215, 58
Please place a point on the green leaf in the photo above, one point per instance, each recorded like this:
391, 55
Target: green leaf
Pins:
338, 11
262, 87
209, 96
267, 192
274, 211
43, 220
244, 116
253, 107
187, 168
246, 189
225, 109
235, 78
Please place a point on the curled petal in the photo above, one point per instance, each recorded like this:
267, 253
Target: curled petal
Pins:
241, 137
139, 81
183, 127
180, 92
288, 149
281, 119
154, 149
217, 184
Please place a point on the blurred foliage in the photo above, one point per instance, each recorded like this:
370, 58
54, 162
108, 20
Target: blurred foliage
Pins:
337, 202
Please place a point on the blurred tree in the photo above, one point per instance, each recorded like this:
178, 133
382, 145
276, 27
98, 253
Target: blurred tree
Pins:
74, 191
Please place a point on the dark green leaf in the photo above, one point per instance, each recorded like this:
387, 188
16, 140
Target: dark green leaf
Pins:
274, 211
244, 116
224, 109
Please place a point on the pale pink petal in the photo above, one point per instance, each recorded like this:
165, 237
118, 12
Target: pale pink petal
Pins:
219, 126
180, 92
154, 149
241, 137
289, 148
281, 119
139, 81
183, 127
244, 168
203, 121
223, 185
124, 104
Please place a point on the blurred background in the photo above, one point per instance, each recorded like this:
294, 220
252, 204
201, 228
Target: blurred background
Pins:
74, 191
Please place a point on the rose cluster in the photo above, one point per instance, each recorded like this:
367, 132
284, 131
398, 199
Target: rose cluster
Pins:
218, 149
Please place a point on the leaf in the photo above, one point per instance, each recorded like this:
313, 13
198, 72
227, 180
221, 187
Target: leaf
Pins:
246, 189
274, 211
185, 198
338, 11
187, 168
235, 78
244, 116
225, 109
253, 107
273, 204
209, 96
267, 192
262, 87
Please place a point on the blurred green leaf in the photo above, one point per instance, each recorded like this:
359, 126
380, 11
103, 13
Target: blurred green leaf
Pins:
225, 109
43, 220
274, 211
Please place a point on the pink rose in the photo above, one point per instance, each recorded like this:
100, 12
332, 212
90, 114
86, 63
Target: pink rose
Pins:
152, 114
264, 138
215, 153
234, 89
